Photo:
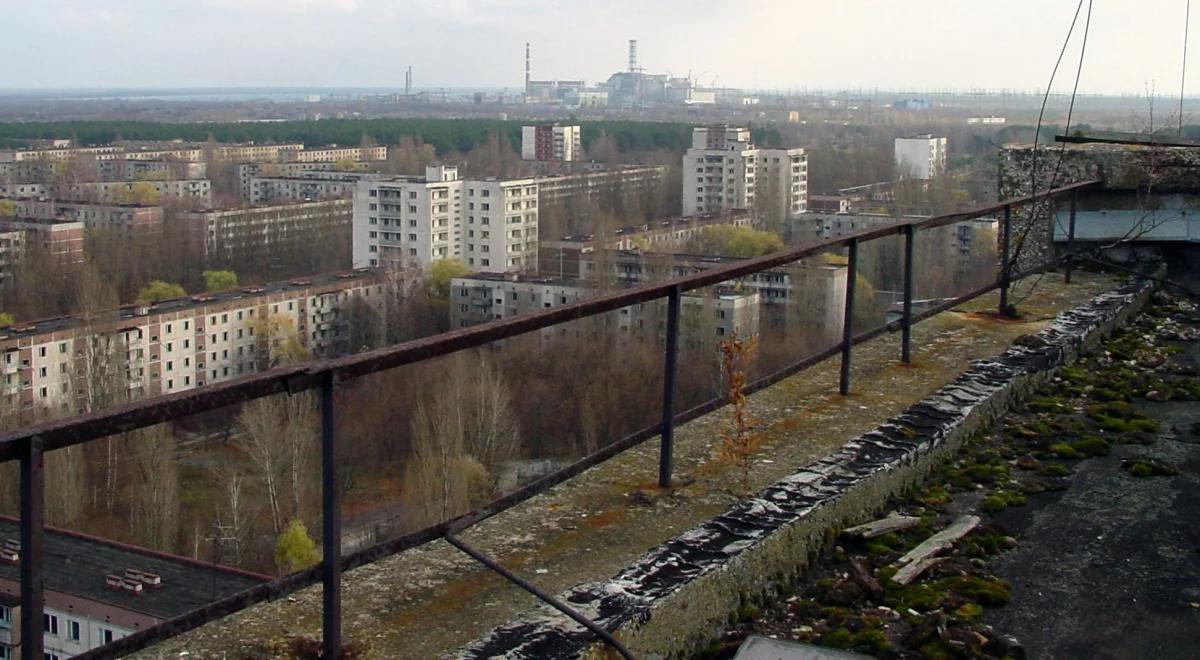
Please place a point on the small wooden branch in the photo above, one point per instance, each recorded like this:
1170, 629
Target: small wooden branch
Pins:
880, 527
924, 556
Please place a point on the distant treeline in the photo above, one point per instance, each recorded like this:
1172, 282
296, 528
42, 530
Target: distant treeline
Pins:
446, 135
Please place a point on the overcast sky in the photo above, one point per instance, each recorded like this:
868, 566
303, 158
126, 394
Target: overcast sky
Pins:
834, 44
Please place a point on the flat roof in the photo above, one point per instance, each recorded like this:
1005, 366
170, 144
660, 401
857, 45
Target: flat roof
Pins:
77, 564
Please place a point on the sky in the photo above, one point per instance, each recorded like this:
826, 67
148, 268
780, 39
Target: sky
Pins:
928, 45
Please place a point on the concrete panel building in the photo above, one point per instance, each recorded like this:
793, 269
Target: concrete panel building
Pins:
252, 234
308, 186
60, 242
551, 142
409, 222
724, 170
920, 157
197, 191
130, 219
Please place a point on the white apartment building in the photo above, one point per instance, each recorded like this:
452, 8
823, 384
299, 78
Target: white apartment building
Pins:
113, 192
304, 187
247, 171
551, 142
335, 154
404, 222
920, 157
177, 345
723, 170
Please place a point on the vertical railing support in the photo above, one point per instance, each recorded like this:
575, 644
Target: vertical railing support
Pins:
32, 530
331, 529
665, 458
906, 319
1071, 234
848, 318
1005, 266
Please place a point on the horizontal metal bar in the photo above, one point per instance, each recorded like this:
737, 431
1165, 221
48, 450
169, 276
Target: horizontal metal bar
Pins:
541, 595
1141, 139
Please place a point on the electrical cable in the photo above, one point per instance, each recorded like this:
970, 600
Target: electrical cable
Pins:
1187, 17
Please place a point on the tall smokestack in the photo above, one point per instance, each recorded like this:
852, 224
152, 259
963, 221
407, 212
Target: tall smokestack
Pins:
633, 67
527, 68
408, 81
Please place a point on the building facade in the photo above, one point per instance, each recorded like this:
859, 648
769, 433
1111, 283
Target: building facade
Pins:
130, 219
114, 192
178, 345
304, 187
408, 222
243, 235
920, 157
551, 142
724, 170
60, 242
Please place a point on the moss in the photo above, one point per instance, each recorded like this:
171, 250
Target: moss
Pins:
985, 591
994, 504
1054, 470
871, 641
879, 549
937, 650
1063, 450
969, 611
838, 638
1091, 446
934, 495
1044, 405
748, 612
1149, 467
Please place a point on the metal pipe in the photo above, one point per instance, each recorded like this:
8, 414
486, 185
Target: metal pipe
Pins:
1071, 235
331, 531
665, 459
541, 595
906, 319
1005, 267
848, 317
33, 521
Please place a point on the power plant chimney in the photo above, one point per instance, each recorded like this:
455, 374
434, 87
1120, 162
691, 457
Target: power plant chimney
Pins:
526, 68
408, 81
633, 67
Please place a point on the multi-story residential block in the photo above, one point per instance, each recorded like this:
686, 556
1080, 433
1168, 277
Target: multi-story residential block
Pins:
594, 185
484, 297
551, 142
253, 234
131, 219
114, 192
130, 169
58, 153
724, 170
248, 171
307, 186
336, 154
408, 222
61, 242
97, 591
177, 345
920, 157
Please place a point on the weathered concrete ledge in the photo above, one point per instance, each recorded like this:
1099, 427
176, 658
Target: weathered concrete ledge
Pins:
678, 595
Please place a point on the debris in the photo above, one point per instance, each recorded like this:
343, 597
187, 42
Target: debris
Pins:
861, 574
892, 523
921, 558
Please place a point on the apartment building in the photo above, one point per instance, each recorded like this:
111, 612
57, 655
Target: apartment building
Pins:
724, 170
57, 153
61, 242
131, 219
97, 591
252, 234
306, 186
490, 225
248, 171
336, 154
129, 169
920, 157
177, 345
593, 185
484, 297
113, 192
551, 142
561, 257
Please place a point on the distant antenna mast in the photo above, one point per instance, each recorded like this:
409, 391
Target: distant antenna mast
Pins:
633, 65
526, 68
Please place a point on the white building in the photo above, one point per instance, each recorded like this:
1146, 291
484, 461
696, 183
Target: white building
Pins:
305, 187
724, 170
489, 225
551, 142
920, 157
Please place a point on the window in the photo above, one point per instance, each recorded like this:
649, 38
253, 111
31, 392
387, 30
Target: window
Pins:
50, 624
73, 630
5, 614
42, 351
106, 635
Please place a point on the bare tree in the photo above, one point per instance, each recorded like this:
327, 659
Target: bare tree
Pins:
154, 492
279, 435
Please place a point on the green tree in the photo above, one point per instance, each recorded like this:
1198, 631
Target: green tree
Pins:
440, 274
219, 280
6, 319
295, 549
158, 290
731, 241
8, 208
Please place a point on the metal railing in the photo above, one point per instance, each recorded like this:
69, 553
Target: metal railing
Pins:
29, 445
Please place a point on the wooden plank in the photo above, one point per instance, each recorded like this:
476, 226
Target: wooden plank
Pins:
882, 526
910, 572
925, 556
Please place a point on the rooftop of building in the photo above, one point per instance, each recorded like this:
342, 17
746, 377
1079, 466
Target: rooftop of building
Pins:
134, 311
77, 564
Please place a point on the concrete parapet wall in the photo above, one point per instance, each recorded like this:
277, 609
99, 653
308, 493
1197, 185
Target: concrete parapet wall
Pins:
680, 594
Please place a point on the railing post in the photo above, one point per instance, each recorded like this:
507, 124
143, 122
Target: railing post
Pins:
665, 458
906, 321
1005, 267
848, 318
331, 530
32, 529
1071, 234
